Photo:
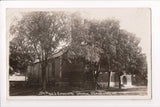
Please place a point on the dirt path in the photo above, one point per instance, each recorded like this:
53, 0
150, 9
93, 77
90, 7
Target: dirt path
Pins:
137, 90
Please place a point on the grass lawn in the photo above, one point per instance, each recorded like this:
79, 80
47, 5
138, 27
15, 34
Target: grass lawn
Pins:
30, 91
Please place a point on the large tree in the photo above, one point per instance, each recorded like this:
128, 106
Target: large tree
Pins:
109, 29
103, 43
93, 41
84, 45
128, 55
39, 35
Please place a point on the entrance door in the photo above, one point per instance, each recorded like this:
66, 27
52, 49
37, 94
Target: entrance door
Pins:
124, 80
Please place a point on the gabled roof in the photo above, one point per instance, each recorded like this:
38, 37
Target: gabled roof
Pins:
59, 53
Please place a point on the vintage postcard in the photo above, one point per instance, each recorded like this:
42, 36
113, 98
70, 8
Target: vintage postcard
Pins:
79, 53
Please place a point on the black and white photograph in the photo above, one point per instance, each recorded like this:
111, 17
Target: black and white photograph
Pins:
79, 52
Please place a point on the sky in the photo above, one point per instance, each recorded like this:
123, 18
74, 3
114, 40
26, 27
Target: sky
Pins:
134, 20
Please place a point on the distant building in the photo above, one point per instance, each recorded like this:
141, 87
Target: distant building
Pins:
126, 80
17, 79
60, 72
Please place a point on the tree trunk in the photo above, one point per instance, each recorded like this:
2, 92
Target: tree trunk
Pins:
95, 83
96, 77
25, 76
44, 76
109, 76
95, 80
119, 81
109, 72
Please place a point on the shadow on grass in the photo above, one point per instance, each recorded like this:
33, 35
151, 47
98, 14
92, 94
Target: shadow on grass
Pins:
68, 91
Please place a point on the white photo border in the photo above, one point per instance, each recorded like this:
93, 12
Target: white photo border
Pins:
153, 5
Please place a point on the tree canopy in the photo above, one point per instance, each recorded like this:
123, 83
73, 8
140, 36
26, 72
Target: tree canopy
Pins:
41, 32
38, 35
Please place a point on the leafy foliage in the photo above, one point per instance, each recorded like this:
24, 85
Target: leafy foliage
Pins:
100, 44
38, 34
